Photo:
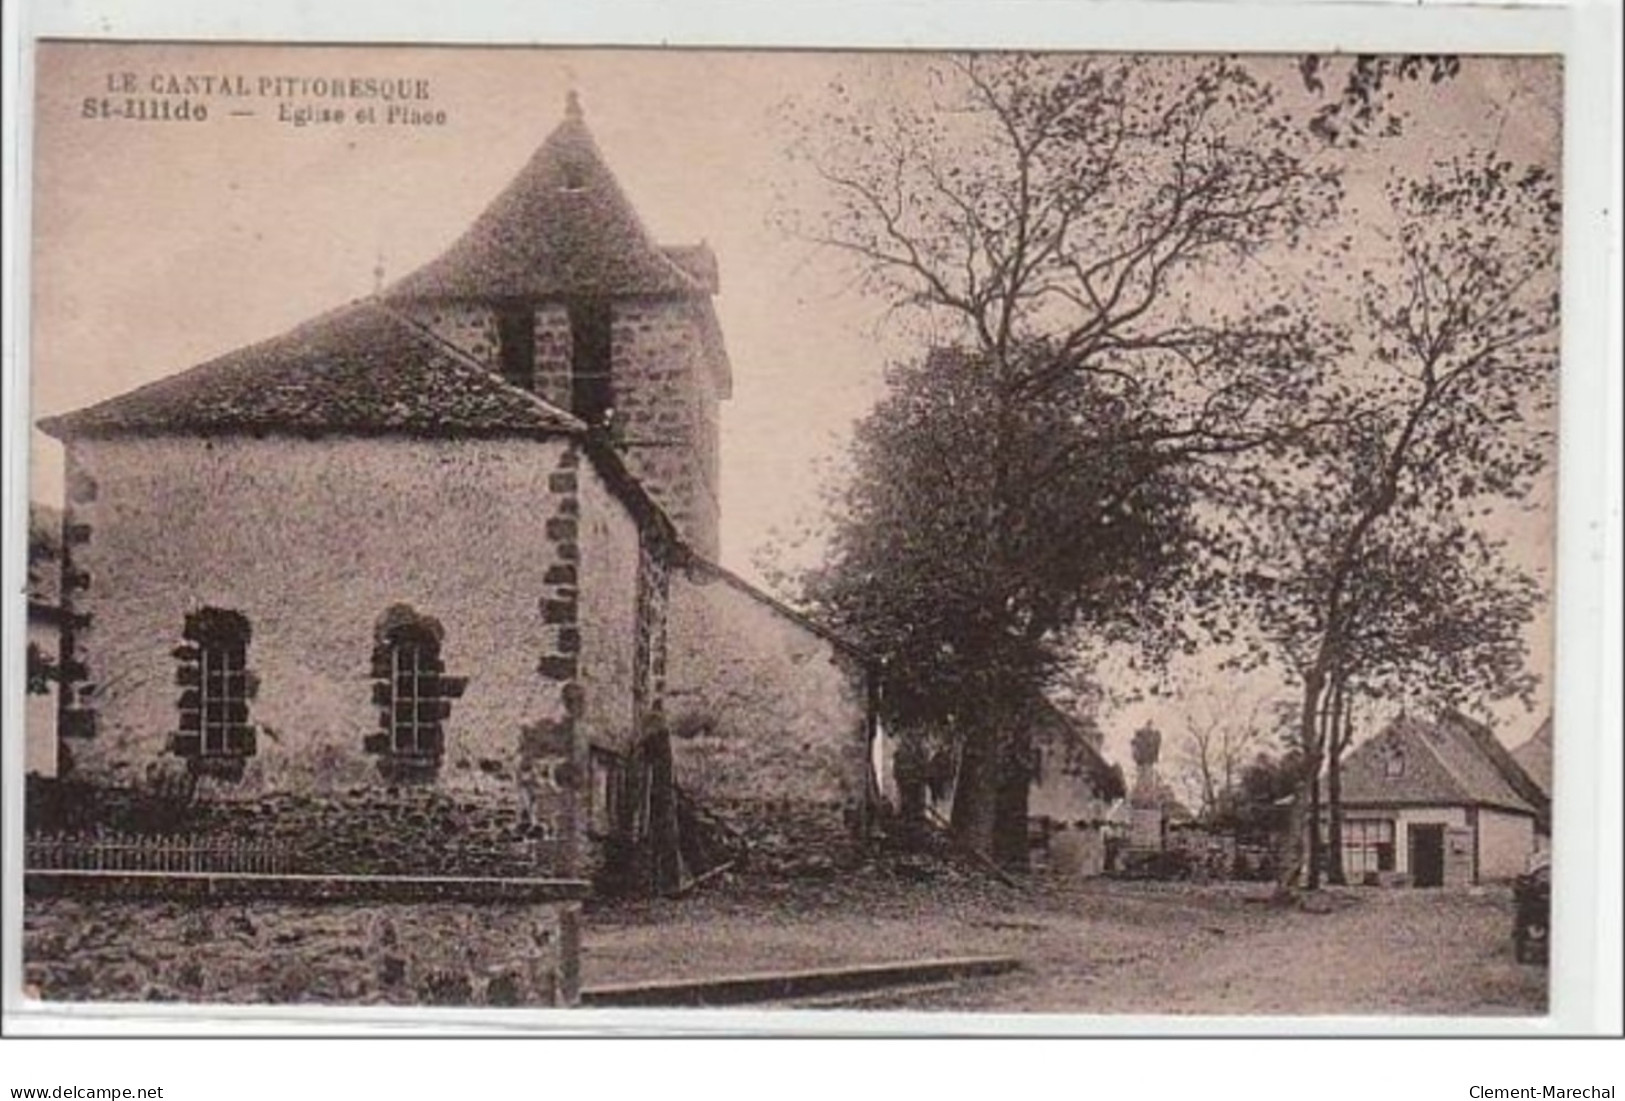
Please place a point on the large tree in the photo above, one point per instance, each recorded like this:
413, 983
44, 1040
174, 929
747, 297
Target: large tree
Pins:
1090, 234
970, 651
1377, 570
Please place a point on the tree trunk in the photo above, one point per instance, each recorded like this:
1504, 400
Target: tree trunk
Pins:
909, 771
1297, 848
976, 789
1316, 850
1336, 873
1011, 849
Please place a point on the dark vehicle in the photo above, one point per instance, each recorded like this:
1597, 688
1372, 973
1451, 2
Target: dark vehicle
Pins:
1532, 929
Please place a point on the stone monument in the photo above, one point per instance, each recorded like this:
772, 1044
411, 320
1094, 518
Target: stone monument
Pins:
1145, 800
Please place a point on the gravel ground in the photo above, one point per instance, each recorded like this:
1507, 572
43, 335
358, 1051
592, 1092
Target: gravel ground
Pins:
1098, 946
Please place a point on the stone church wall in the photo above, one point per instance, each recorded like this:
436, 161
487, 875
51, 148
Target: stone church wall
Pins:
769, 721
666, 412
467, 326
554, 348
609, 569
313, 541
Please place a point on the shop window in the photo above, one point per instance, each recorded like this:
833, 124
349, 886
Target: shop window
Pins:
1368, 846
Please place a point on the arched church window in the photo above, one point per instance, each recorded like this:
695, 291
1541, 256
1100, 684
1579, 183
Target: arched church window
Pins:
216, 688
412, 691
415, 712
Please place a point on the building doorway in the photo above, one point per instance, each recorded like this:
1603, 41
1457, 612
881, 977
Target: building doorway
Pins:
1427, 856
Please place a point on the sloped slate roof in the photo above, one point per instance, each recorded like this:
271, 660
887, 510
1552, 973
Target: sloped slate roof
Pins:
1535, 757
563, 227
1443, 765
362, 369
698, 261
698, 568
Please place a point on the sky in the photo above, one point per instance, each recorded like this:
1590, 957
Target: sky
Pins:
159, 244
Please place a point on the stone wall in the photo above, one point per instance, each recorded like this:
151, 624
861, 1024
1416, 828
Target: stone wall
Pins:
609, 571
666, 412
666, 376
264, 950
554, 348
769, 720
312, 541
467, 326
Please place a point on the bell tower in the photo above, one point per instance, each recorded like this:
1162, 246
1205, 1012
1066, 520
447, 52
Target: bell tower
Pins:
558, 287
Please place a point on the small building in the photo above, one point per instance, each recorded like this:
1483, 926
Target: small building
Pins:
1071, 796
1436, 803
772, 718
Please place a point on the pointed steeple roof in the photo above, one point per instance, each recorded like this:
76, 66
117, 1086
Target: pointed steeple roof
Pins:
563, 227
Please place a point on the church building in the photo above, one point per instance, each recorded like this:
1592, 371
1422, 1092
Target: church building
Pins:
430, 581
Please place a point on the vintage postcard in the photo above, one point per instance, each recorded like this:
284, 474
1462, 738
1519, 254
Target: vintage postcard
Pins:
937, 531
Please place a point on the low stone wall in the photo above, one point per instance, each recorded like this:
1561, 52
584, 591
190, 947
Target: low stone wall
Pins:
367, 831
109, 936
404, 831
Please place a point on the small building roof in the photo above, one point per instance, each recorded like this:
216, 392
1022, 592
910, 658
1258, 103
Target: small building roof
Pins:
1072, 750
363, 369
562, 228
1535, 756
1441, 763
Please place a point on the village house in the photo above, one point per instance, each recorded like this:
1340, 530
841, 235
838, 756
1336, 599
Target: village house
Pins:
428, 583
1437, 803
1070, 799
1073, 792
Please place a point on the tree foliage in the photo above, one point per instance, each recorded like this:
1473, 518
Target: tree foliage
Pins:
1084, 204
968, 646
1372, 568
1058, 227
1362, 91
